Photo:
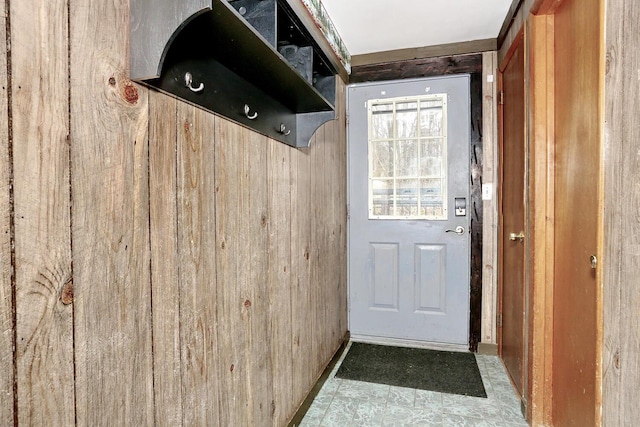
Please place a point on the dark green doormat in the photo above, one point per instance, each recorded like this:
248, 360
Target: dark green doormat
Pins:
443, 371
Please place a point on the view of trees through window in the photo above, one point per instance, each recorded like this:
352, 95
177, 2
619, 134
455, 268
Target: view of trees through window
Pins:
407, 157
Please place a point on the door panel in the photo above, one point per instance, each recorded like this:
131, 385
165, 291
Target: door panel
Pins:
577, 117
409, 277
430, 270
512, 216
384, 286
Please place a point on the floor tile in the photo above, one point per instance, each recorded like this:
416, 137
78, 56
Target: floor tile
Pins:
340, 412
426, 399
471, 407
402, 416
460, 421
369, 414
400, 396
346, 403
366, 392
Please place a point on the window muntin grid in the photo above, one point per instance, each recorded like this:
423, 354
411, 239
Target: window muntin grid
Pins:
407, 140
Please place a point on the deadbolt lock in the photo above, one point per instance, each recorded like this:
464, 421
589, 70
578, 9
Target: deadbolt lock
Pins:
513, 236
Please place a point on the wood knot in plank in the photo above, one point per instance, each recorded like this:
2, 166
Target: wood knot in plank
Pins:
263, 220
112, 81
232, 367
130, 93
66, 296
223, 244
616, 359
609, 60
306, 254
247, 304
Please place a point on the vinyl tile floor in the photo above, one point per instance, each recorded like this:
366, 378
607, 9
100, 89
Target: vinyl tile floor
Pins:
345, 403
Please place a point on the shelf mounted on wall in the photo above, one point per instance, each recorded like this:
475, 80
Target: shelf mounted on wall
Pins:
251, 61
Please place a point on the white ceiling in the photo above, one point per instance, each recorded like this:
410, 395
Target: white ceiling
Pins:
368, 26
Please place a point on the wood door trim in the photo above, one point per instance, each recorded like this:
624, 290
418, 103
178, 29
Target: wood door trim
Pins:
499, 196
545, 7
519, 38
541, 134
600, 249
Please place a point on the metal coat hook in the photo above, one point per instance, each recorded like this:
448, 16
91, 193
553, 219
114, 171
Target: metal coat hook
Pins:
246, 113
188, 82
283, 130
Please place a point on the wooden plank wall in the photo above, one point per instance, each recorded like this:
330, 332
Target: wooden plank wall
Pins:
7, 298
160, 265
490, 207
621, 354
43, 286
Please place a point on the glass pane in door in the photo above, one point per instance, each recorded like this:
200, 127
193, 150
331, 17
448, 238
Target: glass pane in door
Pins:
407, 157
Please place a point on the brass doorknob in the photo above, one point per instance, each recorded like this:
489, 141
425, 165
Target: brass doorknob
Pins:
513, 236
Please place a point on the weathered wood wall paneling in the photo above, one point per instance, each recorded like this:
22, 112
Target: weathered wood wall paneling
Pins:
44, 289
272, 325
279, 280
110, 221
6, 271
196, 240
259, 375
318, 246
621, 364
234, 302
340, 199
302, 311
490, 207
165, 263
474, 210
209, 263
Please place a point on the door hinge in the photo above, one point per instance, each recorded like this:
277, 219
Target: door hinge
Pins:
348, 212
499, 320
501, 98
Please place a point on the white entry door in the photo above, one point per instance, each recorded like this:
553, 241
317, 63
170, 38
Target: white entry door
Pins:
409, 242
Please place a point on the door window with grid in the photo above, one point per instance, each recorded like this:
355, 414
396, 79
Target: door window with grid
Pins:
408, 157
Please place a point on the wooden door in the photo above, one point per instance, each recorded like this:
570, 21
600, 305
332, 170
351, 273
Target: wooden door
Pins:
512, 214
576, 305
